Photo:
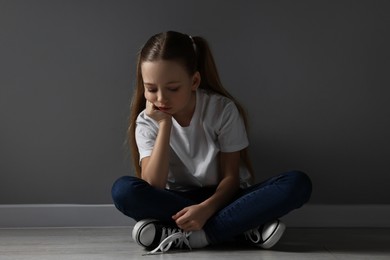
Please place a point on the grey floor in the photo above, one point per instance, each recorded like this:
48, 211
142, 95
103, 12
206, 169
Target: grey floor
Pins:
116, 243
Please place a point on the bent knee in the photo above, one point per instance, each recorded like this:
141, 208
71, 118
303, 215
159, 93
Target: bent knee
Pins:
124, 188
302, 185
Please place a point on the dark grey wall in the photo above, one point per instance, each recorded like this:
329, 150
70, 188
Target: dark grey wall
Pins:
314, 76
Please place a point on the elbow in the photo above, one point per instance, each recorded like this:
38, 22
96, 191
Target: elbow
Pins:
235, 184
157, 185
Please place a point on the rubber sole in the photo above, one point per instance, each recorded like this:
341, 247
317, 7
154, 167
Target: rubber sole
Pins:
137, 230
274, 237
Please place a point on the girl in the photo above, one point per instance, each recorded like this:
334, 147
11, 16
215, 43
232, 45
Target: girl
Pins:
189, 146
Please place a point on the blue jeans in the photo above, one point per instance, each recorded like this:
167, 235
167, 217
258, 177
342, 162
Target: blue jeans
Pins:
252, 207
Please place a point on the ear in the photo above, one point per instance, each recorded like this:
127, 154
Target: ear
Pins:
195, 81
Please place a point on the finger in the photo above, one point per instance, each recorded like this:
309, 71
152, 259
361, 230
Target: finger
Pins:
183, 218
179, 214
150, 107
149, 104
188, 226
184, 225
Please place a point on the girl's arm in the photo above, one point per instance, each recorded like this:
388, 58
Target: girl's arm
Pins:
155, 168
194, 217
229, 184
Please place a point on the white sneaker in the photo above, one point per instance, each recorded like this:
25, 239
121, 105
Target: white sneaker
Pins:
151, 233
271, 233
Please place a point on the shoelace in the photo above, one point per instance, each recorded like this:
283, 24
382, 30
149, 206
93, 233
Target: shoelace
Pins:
250, 234
172, 236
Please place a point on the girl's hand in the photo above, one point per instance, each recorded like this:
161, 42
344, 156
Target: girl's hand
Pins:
153, 112
192, 218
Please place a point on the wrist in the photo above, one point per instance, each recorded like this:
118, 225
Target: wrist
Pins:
209, 207
165, 122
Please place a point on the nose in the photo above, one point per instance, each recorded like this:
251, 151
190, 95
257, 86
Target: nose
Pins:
161, 97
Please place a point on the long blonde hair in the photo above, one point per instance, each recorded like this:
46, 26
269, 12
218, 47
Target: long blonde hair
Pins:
195, 55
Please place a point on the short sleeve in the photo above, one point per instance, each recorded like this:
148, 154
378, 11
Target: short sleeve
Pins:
145, 137
232, 134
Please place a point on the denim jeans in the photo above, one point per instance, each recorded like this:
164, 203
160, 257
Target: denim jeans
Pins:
253, 206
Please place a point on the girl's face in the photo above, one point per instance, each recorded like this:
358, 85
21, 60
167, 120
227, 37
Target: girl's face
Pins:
170, 88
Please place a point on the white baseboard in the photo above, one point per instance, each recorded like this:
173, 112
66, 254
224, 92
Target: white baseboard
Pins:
61, 215
106, 215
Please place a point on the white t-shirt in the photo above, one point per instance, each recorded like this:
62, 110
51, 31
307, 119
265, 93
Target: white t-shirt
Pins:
216, 126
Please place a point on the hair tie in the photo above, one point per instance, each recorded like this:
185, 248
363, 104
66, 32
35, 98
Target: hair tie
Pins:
193, 42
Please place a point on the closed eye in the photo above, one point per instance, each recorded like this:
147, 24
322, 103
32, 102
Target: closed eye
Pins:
150, 89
